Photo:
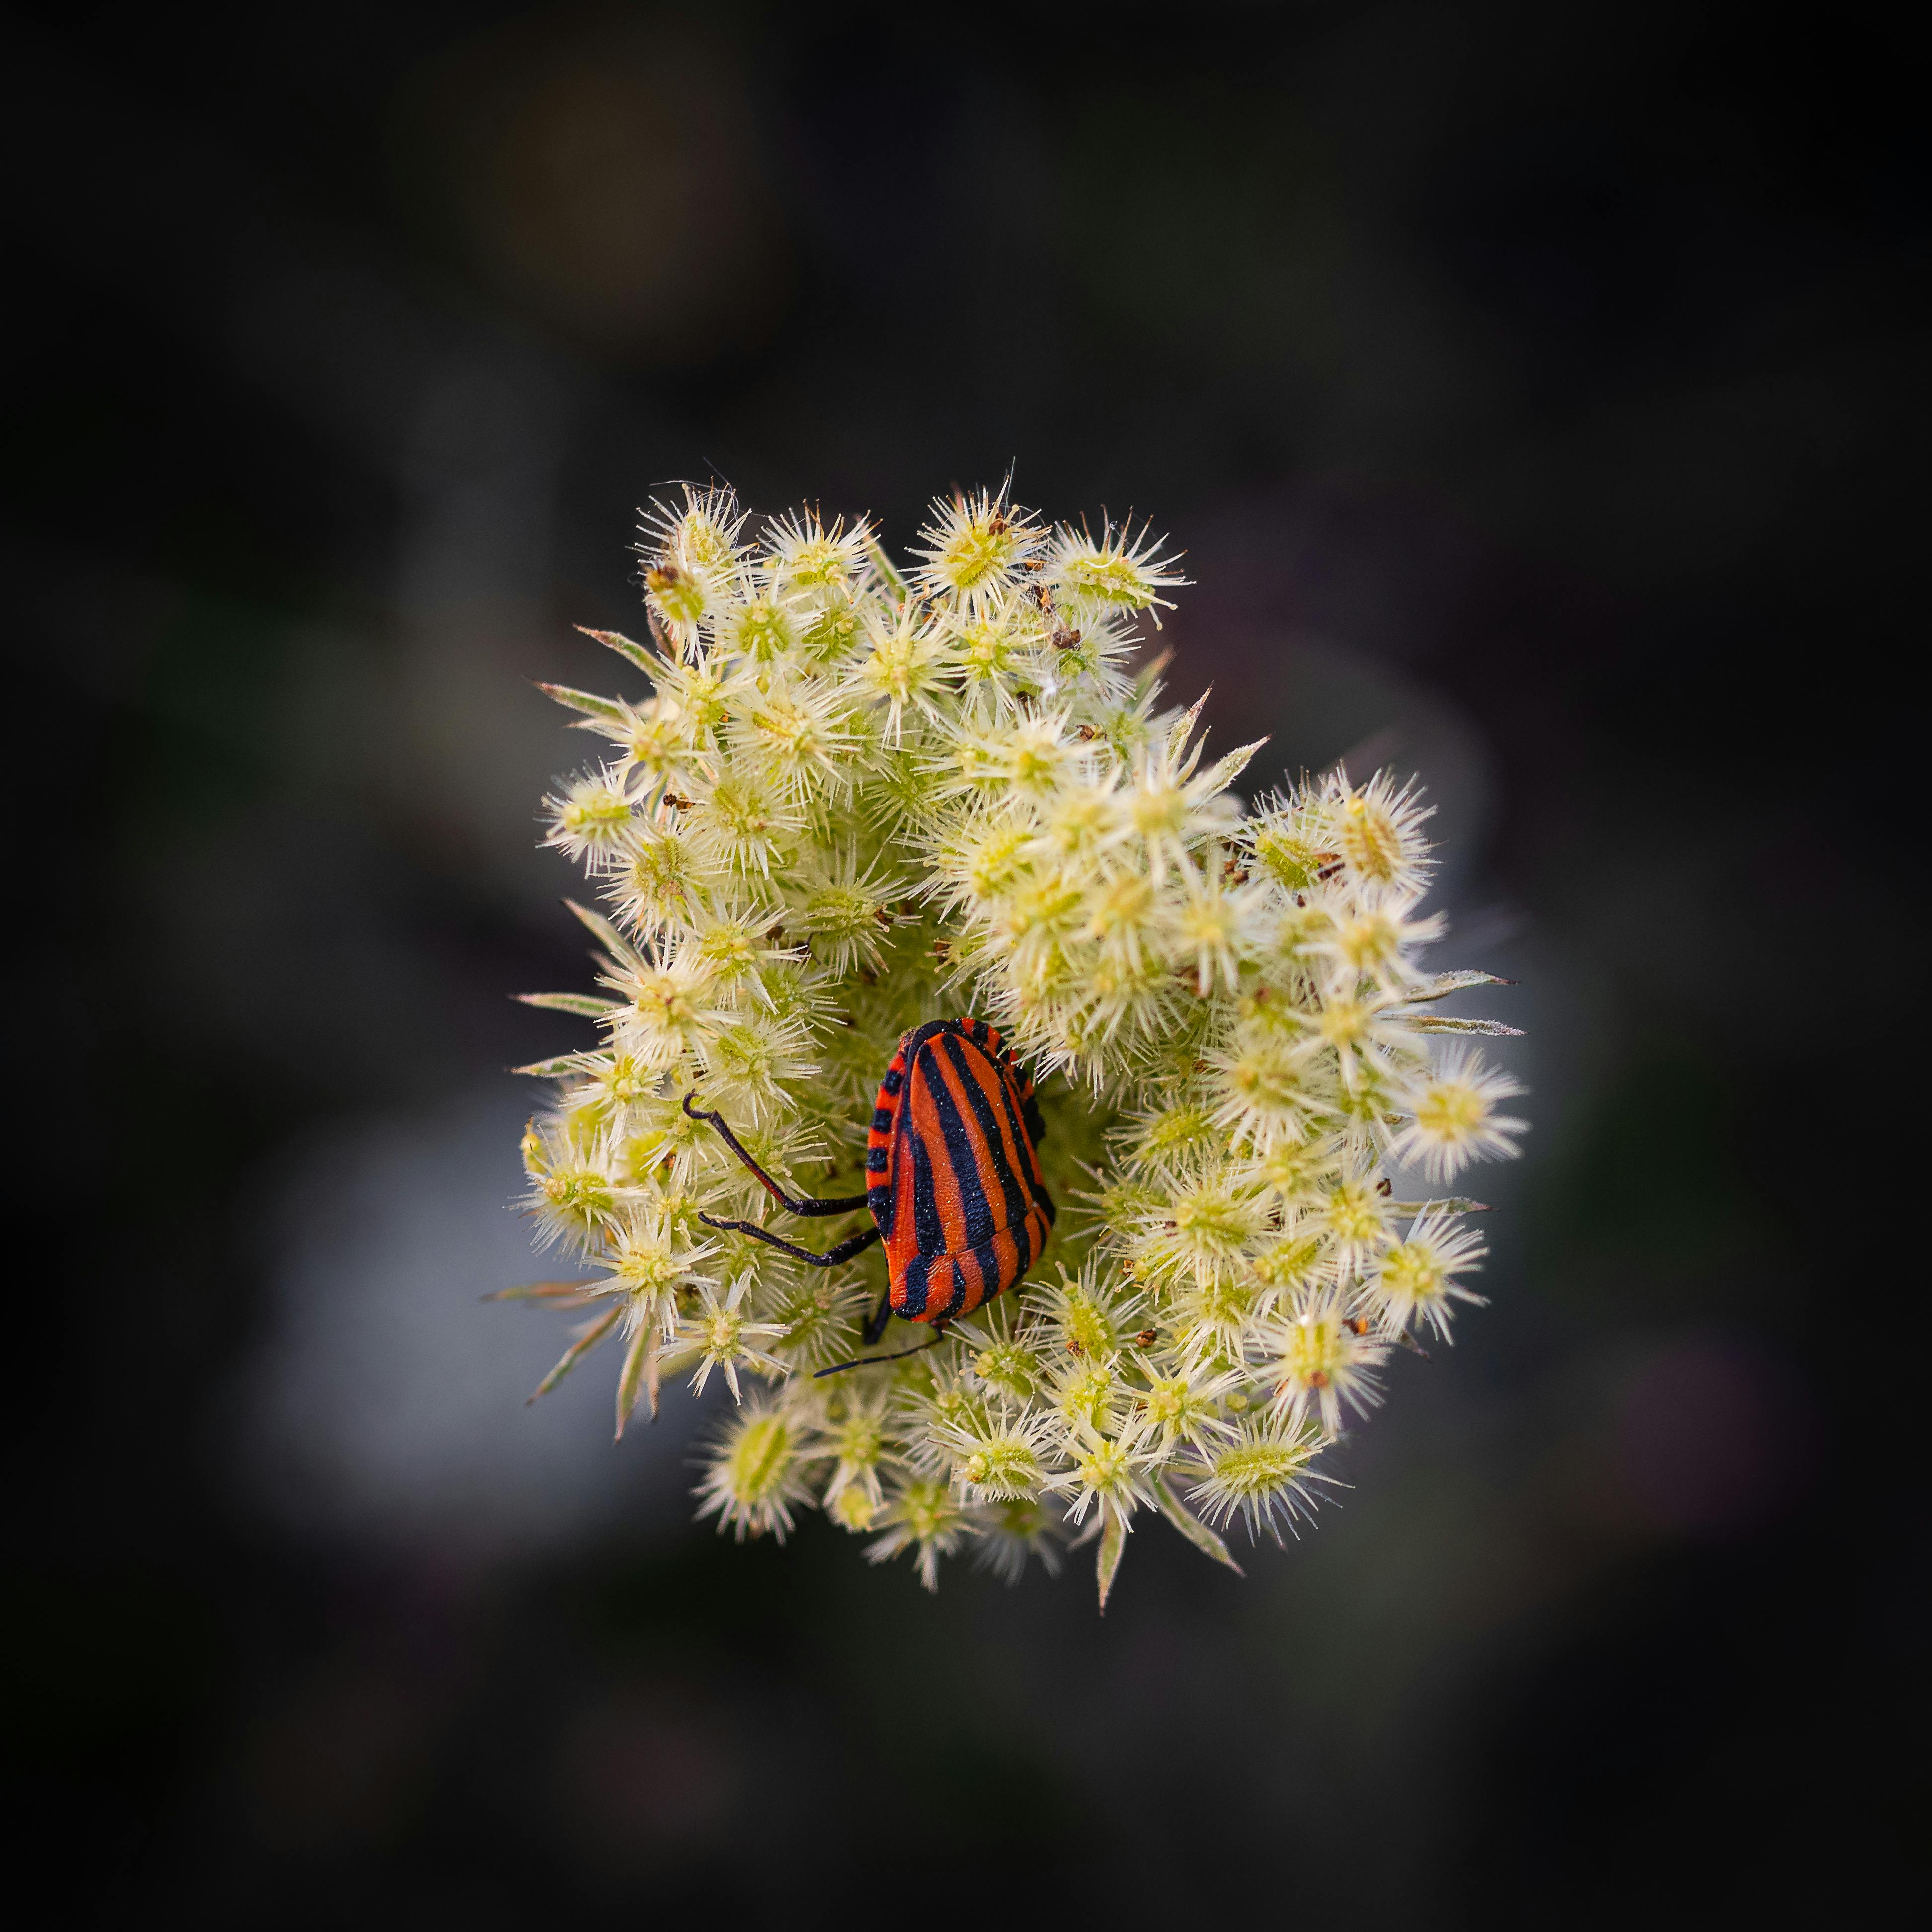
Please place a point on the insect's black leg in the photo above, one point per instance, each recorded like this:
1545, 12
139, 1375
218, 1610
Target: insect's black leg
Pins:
939, 1332
875, 1323
805, 1204
832, 1257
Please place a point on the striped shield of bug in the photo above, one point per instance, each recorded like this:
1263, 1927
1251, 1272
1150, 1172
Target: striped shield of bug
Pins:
952, 1179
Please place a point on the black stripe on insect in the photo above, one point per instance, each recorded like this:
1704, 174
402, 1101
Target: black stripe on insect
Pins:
953, 1181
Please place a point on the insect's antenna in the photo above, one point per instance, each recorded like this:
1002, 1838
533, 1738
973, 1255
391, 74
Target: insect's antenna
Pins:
866, 1361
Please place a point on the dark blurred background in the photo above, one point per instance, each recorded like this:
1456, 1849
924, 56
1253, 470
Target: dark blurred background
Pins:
1539, 394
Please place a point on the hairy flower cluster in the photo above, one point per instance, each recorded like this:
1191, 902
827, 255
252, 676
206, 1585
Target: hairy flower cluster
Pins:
856, 798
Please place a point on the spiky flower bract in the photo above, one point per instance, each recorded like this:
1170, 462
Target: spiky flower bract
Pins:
857, 797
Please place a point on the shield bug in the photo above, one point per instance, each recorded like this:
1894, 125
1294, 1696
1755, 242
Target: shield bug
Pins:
953, 1179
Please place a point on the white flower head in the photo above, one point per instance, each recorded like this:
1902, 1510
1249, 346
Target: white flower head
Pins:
575, 1194
1021, 764
756, 1476
922, 1516
1116, 572
660, 883
1355, 1215
758, 628
720, 1335
847, 798
1357, 1034
982, 855
1002, 1455
819, 1318
652, 1263
857, 1436
1082, 821
1262, 1475
1210, 927
976, 547
1373, 943
907, 667
1093, 657
1214, 1313
1291, 835
1007, 1352
1417, 1280
1376, 829
734, 945
1094, 1314
831, 630
807, 559
695, 697
749, 1060
1319, 1359
702, 530
997, 651
1086, 1391
1171, 1140
1173, 806
690, 558
746, 823
1131, 1000
1264, 1098
843, 910
798, 736
1453, 1117
590, 819
1205, 1228
662, 1144
1184, 1405
1110, 1470
668, 1008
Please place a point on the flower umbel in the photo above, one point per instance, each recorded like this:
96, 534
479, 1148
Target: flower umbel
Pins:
857, 796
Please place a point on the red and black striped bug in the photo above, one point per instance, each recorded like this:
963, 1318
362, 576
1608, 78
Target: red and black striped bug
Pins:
952, 1179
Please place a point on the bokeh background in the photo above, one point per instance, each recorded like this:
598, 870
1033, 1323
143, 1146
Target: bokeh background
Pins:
1539, 394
